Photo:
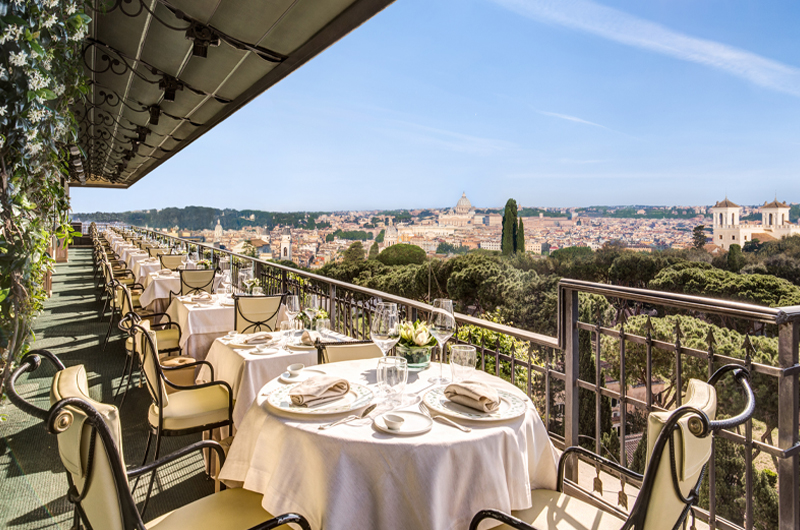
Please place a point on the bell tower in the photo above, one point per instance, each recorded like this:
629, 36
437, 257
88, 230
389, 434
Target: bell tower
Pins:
286, 245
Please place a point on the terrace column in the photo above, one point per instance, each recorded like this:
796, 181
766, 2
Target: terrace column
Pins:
569, 319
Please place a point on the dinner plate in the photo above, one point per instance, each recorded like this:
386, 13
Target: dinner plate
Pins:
263, 351
511, 406
227, 301
238, 342
415, 423
358, 397
286, 377
299, 347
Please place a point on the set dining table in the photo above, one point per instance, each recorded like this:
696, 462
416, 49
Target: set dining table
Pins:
362, 475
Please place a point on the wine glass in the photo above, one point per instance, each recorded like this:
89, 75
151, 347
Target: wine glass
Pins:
442, 325
385, 329
292, 306
312, 307
392, 376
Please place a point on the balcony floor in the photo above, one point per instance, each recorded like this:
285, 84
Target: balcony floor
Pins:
33, 485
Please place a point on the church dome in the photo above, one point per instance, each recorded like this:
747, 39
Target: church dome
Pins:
463, 206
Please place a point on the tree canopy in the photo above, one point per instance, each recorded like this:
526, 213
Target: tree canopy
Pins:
402, 254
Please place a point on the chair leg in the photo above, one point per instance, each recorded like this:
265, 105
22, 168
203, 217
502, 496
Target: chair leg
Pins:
209, 454
125, 374
108, 333
153, 476
103, 312
144, 459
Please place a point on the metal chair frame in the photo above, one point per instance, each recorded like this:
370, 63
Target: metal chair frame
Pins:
699, 425
57, 420
255, 325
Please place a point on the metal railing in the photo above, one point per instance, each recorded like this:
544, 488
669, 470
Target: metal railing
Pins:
548, 368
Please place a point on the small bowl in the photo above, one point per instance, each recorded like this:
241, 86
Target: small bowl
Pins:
393, 421
295, 369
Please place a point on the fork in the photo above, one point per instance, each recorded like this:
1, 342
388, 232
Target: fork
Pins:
443, 419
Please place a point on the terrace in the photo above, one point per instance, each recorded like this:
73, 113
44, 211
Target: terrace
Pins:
147, 79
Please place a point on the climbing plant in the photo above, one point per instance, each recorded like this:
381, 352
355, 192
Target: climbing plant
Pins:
41, 77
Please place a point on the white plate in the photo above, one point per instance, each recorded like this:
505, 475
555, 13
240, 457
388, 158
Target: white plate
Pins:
358, 397
299, 347
263, 351
511, 406
226, 302
415, 423
238, 342
286, 377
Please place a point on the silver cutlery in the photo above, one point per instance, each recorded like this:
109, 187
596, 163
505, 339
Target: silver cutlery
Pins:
443, 419
354, 417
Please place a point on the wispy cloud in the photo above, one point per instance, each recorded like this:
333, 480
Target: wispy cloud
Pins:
453, 141
572, 118
618, 26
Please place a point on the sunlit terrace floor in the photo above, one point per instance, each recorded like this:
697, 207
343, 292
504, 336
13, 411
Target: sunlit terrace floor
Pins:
33, 484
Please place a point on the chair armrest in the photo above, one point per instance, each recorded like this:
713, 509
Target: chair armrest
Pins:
597, 458
189, 365
161, 315
30, 363
180, 453
200, 385
286, 518
504, 518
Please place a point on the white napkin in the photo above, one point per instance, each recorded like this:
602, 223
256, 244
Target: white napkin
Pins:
165, 272
318, 390
473, 394
205, 297
262, 337
309, 338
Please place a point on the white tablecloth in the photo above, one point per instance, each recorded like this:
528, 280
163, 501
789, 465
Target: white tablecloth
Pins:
157, 289
142, 269
353, 476
200, 325
247, 372
131, 255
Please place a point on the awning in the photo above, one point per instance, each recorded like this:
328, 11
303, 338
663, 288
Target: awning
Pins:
164, 72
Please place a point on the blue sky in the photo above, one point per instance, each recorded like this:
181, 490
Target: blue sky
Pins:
553, 103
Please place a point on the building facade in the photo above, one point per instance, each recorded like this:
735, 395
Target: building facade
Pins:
730, 230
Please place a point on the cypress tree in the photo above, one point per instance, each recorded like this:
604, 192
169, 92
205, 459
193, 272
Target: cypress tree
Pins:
520, 247
509, 228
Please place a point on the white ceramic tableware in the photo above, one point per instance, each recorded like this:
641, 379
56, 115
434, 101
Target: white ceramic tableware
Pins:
286, 377
393, 421
511, 406
295, 369
413, 423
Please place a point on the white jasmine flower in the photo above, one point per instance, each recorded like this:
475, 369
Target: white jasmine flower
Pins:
3, 111
51, 20
18, 59
30, 135
47, 63
51, 3
2, 71
59, 89
13, 32
37, 115
71, 9
33, 148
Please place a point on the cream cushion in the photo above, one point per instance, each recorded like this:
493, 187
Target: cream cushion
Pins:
185, 377
352, 352
257, 309
168, 339
551, 509
691, 454
234, 509
192, 408
100, 503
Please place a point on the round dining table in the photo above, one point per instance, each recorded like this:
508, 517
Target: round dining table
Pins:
355, 476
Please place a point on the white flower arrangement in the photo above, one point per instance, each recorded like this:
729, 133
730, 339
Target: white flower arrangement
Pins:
416, 335
204, 264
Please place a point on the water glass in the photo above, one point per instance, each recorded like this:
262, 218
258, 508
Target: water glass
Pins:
385, 328
287, 330
392, 377
323, 326
292, 306
462, 361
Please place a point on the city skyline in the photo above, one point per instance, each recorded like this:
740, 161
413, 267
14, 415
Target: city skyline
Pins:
554, 103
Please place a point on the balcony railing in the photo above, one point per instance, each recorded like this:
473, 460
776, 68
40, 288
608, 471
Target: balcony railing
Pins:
548, 368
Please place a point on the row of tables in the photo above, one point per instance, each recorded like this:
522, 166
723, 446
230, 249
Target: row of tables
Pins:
355, 475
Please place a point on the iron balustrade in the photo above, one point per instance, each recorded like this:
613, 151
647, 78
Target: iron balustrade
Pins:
547, 368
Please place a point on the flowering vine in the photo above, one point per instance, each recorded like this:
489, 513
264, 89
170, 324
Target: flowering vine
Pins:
41, 77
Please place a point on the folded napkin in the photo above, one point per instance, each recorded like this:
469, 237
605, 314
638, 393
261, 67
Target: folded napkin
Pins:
258, 338
205, 297
473, 394
165, 272
318, 390
309, 338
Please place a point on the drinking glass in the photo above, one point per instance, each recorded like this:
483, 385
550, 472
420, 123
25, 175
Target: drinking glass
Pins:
392, 377
442, 325
292, 306
257, 290
323, 326
462, 361
385, 329
287, 330
312, 308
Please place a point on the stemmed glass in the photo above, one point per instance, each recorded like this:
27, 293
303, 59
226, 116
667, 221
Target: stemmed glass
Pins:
292, 309
312, 307
442, 325
385, 329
